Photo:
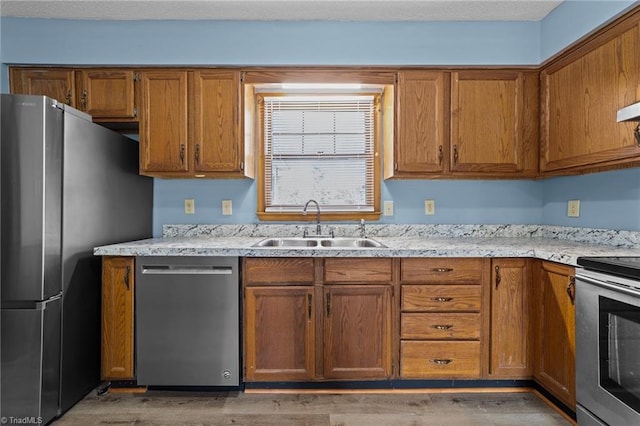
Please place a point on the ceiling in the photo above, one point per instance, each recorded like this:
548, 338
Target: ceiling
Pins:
268, 10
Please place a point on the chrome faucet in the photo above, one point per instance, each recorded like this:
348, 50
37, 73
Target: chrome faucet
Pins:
363, 231
304, 212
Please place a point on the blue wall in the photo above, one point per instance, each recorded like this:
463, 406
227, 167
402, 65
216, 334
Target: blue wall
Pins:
41, 41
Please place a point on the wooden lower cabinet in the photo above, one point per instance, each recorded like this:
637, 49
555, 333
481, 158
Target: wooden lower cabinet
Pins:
293, 318
441, 319
118, 287
554, 298
510, 353
279, 333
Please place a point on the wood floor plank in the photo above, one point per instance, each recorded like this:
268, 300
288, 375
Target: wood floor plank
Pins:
342, 409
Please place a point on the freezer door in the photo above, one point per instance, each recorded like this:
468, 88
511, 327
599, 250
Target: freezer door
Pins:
30, 366
31, 191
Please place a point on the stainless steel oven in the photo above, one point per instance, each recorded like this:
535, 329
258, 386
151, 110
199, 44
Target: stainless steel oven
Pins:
608, 342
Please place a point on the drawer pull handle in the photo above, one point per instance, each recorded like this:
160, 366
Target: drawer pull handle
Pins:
442, 326
441, 361
442, 299
441, 270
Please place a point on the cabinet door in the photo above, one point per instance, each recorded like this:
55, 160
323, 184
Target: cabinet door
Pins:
555, 331
279, 333
357, 332
164, 143
58, 84
420, 143
217, 121
117, 318
491, 131
580, 99
107, 93
510, 319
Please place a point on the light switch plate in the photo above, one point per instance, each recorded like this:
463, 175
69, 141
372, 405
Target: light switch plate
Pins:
189, 206
227, 209
388, 208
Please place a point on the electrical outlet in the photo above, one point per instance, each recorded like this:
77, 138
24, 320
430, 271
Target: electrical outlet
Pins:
388, 208
573, 208
429, 207
226, 208
189, 206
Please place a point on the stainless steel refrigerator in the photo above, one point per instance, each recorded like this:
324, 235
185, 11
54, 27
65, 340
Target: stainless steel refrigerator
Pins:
67, 185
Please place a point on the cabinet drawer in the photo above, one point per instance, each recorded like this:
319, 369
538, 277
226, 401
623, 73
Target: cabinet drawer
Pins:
440, 326
439, 360
438, 298
338, 270
278, 271
441, 271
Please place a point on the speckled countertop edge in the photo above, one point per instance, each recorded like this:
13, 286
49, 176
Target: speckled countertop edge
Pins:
546, 248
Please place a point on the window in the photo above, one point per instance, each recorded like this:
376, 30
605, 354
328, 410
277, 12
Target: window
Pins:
319, 143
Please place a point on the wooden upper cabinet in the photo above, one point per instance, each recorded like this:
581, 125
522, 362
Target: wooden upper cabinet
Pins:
58, 84
164, 138
191, 125
581, 94
107, 94
474, 123
217, 121
421, 144
494, 122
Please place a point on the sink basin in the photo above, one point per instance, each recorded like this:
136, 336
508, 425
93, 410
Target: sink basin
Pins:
338, 242
287, 242
348, 242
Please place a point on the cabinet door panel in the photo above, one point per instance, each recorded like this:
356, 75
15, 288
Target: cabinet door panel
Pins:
217, 121
164, 143
555, 332
107, 93
486, 120
357, 332
58, 84
510, 319
279, 333
117, 318
420, 145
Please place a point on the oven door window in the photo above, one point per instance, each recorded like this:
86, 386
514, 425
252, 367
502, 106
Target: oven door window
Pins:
620, 350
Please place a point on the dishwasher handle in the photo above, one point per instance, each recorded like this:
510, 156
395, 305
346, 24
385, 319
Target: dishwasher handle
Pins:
186, 270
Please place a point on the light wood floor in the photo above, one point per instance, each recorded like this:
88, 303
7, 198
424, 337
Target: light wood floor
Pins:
312, 408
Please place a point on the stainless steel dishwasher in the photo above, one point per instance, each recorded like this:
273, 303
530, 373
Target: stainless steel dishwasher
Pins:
187, 321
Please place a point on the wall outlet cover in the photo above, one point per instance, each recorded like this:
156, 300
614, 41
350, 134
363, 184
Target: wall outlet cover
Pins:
573, 208
388, 208
429, 207
189, 206
227, 209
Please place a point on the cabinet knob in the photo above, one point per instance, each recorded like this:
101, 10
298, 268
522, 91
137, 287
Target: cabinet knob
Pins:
571, 289
182, 153
498, 276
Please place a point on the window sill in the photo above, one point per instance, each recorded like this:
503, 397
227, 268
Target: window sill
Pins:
311, 216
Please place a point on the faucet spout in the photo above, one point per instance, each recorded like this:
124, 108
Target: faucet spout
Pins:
304, 211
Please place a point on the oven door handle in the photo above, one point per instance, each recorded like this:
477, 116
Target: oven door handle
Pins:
609, 286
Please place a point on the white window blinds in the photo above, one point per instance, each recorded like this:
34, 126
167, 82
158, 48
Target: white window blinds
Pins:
319, 147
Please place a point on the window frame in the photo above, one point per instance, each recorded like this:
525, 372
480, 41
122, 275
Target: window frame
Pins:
383, 128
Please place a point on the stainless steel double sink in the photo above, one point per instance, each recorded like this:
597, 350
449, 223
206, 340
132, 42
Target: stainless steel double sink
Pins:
337, 242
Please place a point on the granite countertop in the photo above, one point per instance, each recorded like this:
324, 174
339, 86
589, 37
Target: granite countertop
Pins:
545, 243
